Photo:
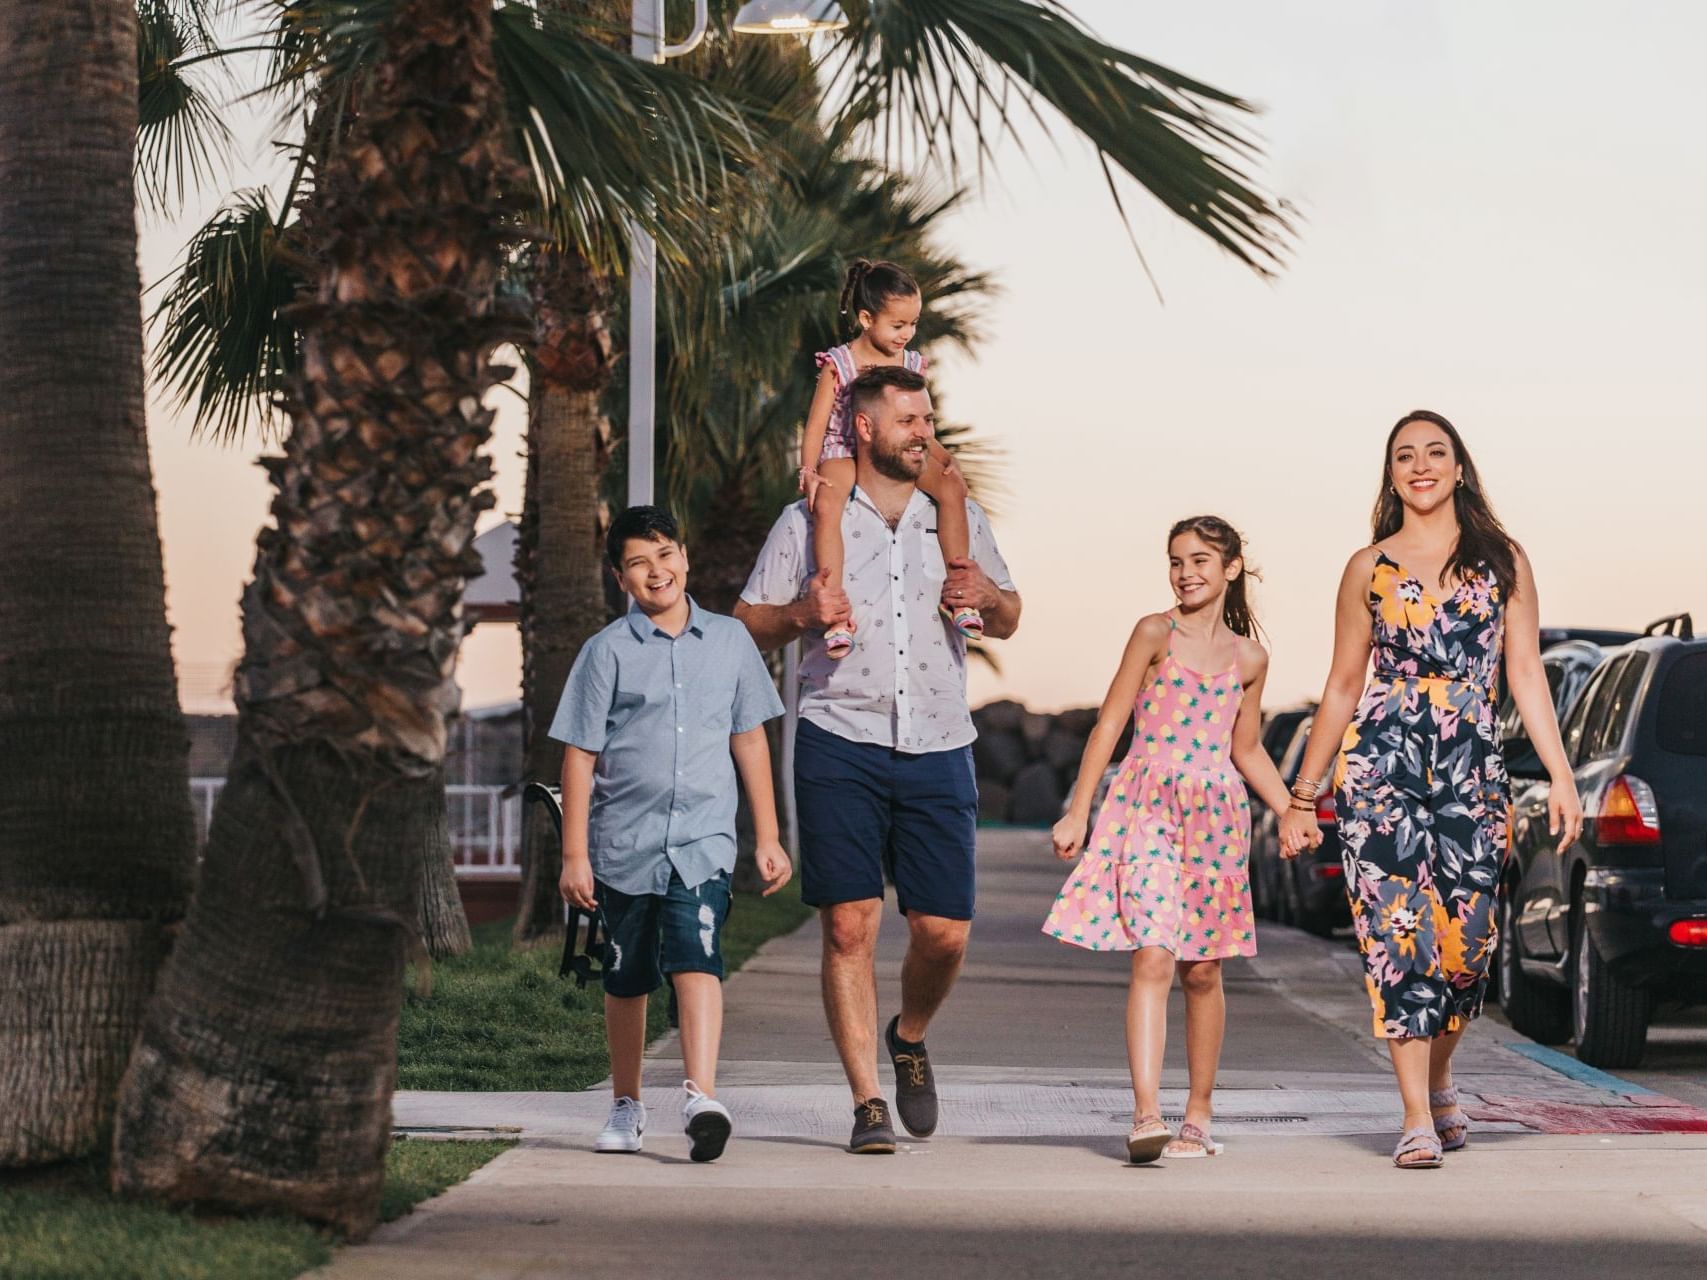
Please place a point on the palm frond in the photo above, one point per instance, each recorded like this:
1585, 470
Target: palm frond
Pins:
180, 139
225, 343
939, 71
610, 140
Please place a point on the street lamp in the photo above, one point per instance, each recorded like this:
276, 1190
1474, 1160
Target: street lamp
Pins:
789, 17
758, 17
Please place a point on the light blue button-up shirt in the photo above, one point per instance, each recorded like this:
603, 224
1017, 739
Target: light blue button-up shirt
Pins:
659, 710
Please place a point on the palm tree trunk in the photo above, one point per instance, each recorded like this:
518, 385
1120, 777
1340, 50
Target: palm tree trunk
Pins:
559, 560
96, 837
442, 922
265, 1070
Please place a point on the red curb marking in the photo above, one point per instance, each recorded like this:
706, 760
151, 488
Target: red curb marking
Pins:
1569, 1117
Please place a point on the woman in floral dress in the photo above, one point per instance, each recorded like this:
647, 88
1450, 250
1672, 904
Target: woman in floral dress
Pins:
1442, 596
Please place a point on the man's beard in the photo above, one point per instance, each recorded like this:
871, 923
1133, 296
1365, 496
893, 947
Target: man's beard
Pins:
894, 465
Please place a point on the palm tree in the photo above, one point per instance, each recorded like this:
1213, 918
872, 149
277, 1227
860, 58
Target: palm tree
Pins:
96, 838
263, 1075
264, 1071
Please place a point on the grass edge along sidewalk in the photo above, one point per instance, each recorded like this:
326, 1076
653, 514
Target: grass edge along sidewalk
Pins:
500, 1019
61, 1223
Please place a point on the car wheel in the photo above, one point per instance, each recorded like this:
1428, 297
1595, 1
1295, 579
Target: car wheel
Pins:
1536, 1008
1320, 923
1609, 1018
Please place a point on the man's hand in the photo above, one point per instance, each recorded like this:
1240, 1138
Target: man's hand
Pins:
576, 882
775, 869
822, 604
969, 587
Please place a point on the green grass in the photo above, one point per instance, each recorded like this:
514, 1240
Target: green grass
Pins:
501, 1019
61, 1224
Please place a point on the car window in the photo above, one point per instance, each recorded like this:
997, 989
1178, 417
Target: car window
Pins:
1683, 707
1510, 722
1572, 730
1294, 755
1605, 735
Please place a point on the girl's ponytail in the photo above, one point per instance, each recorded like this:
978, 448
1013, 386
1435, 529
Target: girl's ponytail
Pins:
869, 285
1236, 609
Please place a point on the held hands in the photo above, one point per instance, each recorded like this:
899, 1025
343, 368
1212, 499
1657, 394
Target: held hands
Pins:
576, 882
1069, 834
1564, 812
969, 587
775, 868
1298, 832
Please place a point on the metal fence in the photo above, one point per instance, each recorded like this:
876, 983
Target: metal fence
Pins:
485, 825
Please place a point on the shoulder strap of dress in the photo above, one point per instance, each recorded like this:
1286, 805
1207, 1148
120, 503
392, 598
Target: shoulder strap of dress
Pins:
845, 369
913, 360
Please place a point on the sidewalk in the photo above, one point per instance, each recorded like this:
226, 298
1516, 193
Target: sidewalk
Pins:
1026, 1176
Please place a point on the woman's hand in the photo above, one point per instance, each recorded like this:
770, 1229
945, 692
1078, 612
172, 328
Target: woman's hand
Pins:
1069, 834
1298, 831
1564, 811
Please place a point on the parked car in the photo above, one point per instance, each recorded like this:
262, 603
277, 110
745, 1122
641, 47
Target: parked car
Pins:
1591, 939
1309, 890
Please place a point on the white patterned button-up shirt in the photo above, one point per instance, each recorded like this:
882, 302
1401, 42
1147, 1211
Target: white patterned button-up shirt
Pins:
904, 684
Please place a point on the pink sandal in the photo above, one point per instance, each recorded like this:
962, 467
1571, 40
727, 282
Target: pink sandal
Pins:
1147, 1139
839, 641
966, 620
1190, 1136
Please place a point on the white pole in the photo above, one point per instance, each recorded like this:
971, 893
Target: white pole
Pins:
790, 722
643, 300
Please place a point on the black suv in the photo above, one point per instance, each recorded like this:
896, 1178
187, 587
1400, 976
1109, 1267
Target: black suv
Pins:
1590, 939
1309, 890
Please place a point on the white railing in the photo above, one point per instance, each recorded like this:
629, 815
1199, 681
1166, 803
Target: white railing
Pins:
485, 825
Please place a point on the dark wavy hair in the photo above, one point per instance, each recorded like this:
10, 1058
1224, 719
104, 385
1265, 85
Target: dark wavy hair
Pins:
870, 284
1482, 539
1235, 605
648, 524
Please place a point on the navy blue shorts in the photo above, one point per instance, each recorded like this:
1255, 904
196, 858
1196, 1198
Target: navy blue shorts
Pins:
867, 810
650, 935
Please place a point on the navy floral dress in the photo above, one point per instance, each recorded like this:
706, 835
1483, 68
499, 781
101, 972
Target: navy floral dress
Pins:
1424, 802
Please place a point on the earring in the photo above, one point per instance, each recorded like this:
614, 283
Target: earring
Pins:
1460, 482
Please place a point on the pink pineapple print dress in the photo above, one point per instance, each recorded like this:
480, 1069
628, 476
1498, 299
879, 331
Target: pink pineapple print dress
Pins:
1166, 863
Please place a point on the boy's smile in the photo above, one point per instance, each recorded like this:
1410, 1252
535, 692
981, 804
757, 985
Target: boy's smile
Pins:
654, 574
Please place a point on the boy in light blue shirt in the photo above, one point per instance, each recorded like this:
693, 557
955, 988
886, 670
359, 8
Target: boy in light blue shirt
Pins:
660, 711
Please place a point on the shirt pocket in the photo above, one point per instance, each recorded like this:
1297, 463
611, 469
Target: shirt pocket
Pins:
935, 568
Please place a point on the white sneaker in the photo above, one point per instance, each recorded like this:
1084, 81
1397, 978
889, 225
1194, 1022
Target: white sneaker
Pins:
707, 1121
622, 1131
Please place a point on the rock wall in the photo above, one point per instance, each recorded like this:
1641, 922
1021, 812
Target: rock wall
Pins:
1027, 761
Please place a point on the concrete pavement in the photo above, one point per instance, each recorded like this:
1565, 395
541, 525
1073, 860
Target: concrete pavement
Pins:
1027, 1176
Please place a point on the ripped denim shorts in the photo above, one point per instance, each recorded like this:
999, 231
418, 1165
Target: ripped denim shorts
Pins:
650, 934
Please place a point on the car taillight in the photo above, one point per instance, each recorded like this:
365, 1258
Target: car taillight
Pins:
1325, 807
1628, 813
1328, 871
1688, 933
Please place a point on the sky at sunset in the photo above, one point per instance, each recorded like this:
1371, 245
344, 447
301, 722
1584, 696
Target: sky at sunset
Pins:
1500, 209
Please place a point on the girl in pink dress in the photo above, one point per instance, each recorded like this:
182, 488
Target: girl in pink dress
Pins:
1164, 873
884, 302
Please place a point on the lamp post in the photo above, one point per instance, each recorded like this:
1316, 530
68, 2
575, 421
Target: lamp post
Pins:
758, 17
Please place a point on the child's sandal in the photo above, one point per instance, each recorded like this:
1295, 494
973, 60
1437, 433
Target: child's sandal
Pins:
838, 642
1414, 1140
1453, 1119
968, 621
1147, 1139
1193, 1143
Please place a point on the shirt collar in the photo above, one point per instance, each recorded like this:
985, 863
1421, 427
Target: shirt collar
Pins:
859, 495
644, 630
